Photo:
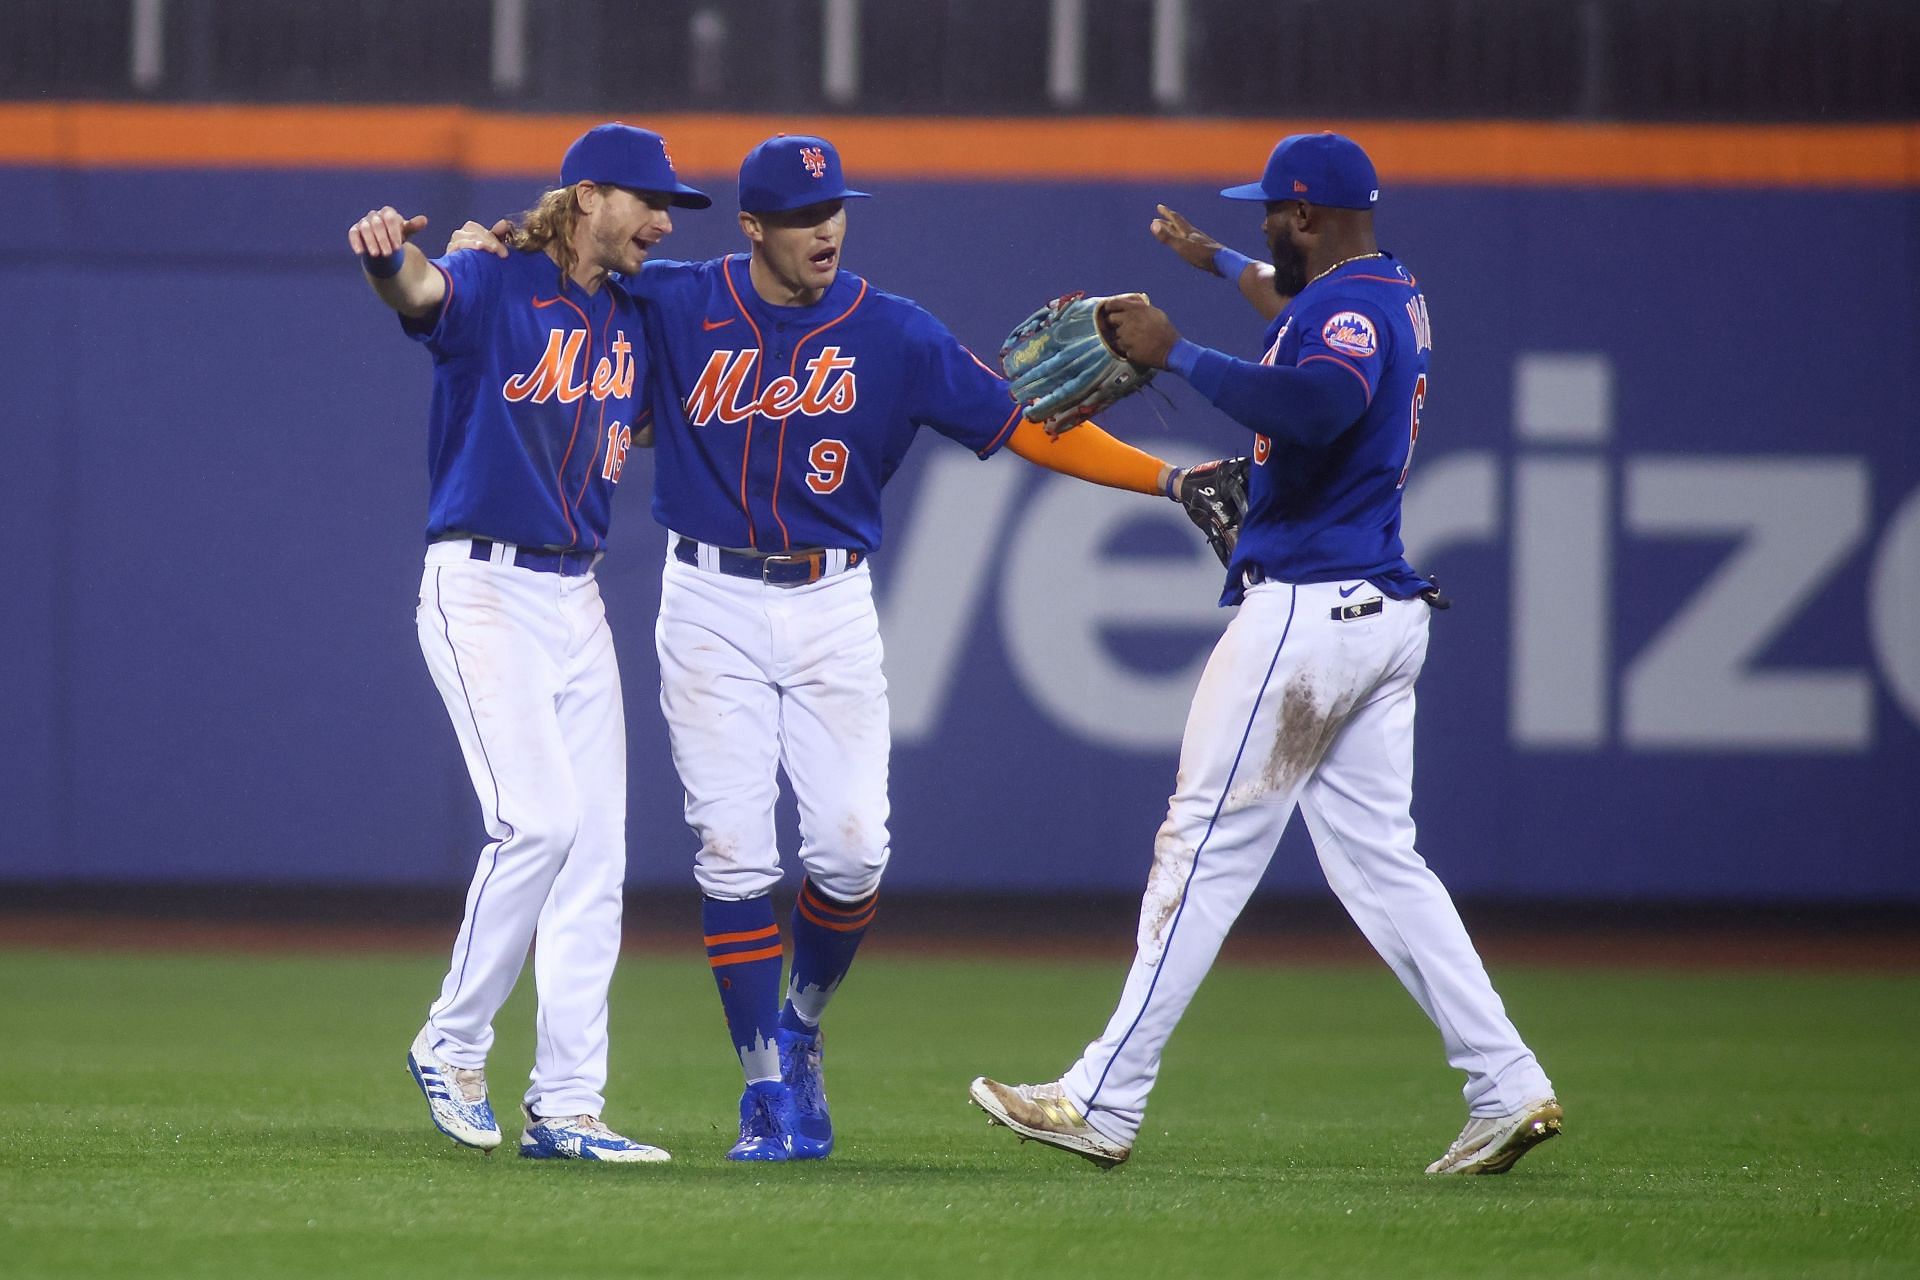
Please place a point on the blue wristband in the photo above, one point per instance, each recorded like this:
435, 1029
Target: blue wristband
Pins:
1182, 357
1230, 263
384, 266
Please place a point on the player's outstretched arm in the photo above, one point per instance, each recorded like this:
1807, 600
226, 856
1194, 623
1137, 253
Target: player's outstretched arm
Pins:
1310, 403
1090, 454
1201, 251
399, 273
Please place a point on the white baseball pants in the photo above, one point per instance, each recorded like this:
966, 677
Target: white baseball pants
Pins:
525, 664
756, 678
1299, 708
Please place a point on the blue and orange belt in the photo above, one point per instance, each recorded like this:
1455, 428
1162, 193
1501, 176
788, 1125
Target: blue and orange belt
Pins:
785, 569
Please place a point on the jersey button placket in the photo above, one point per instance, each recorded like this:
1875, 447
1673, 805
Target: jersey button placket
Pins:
776, 356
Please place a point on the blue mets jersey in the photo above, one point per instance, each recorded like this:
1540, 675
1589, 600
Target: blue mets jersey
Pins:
1328, 510
534, 386
775, 427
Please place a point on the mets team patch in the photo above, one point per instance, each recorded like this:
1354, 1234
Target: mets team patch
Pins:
1351, 334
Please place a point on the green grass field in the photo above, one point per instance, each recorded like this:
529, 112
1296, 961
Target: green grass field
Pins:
184, 1114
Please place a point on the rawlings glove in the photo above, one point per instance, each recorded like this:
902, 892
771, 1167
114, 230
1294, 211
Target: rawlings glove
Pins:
1215, 496
1062, 365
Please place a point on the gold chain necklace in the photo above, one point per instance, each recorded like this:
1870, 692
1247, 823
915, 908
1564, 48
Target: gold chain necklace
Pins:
1344, 261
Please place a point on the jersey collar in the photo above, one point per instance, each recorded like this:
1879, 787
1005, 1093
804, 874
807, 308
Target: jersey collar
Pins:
841, 292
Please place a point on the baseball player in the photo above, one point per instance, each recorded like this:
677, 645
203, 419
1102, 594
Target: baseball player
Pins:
787, 392
1308, 698
539, 362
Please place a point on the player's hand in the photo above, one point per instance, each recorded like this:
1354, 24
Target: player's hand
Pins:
1193, 245
383, 232
475, 236
1140, 331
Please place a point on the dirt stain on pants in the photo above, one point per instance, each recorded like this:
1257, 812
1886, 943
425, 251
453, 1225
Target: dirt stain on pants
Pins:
1166, 886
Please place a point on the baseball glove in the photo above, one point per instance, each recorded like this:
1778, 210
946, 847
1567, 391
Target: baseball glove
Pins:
1215, 496
1063, 366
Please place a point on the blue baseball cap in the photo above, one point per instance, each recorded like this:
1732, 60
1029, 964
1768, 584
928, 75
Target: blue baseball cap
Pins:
791, 171
620, 155
1319, 168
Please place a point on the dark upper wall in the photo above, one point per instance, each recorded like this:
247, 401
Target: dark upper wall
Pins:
1682, 60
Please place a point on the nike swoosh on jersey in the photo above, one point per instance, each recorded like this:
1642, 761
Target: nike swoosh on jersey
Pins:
1347, 591
708, 326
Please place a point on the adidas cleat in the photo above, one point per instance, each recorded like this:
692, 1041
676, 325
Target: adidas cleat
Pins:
582, 1138
1493, 1144
1043, 1113
456, 1097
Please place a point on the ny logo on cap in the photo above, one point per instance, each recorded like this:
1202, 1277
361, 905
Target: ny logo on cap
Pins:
815, 159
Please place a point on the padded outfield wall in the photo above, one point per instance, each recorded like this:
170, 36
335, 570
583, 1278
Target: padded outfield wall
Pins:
1669, 468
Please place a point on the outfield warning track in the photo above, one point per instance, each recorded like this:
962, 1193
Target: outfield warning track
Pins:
1876, 949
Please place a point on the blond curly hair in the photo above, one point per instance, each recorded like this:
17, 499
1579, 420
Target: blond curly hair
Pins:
549, 225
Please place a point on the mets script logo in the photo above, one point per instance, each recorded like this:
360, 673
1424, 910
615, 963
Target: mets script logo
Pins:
1351, 333
724, 391
815, 159
554, 377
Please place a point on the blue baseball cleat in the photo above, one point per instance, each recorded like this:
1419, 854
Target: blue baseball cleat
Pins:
810, 1128
582, 1138
456, 1096
764, 1115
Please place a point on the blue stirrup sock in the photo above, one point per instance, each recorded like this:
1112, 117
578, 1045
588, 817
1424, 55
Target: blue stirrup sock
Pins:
826, 933
743, 946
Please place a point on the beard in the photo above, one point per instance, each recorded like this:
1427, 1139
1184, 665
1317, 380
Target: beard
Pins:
617, 252
1289, 266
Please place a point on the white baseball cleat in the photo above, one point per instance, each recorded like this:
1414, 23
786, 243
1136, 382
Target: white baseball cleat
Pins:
1043, 1113
456, 1096
582, 1138
1492, 1144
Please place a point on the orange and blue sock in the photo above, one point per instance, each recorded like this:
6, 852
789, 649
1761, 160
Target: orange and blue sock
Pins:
826, 933
743, 946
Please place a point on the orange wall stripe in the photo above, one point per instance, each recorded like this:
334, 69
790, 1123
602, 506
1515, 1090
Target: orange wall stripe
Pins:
495, 144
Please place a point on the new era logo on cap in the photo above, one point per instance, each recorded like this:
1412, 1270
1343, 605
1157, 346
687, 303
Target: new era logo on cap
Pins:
1321, 168
621, 155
